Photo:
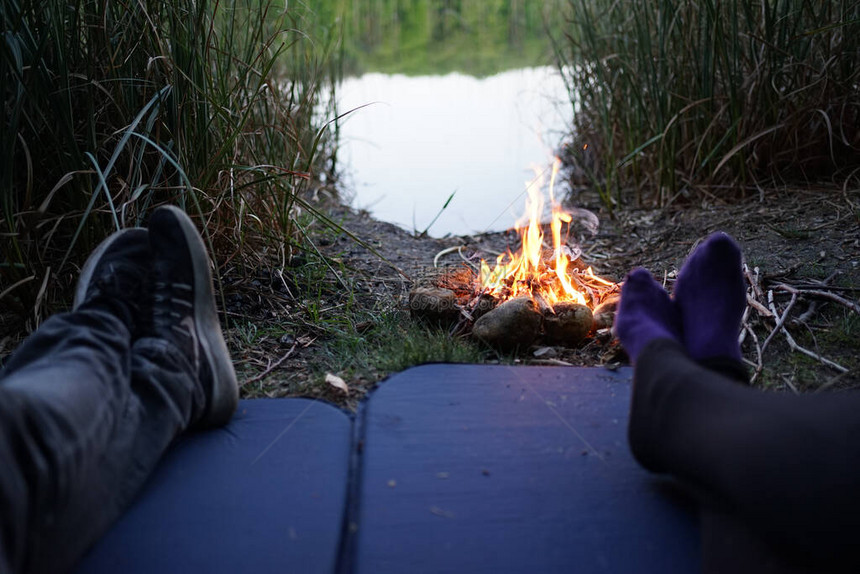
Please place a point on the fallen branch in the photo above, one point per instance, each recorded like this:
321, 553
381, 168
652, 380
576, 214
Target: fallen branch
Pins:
759, 365
816, 356
754, 280
551, 362
445, 252
819, 293
790, 385
795, 347
762, 310
781, 320
271, 367
809, 313
744, 324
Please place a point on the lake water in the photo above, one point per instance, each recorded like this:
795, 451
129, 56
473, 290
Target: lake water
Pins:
423, 138
459, 103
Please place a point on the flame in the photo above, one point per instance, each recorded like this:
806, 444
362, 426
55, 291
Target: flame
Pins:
529, 272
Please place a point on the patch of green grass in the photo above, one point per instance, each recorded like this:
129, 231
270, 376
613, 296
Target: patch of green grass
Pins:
839, 331
848, 330
806, 373
789, 371
818, 270
833, 333
266, 387
791, 231
247, 334
394, 342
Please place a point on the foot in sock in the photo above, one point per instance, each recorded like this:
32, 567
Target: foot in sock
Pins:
645, 313
711, 296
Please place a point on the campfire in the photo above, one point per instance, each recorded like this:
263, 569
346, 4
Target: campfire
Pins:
551, 276
541, 291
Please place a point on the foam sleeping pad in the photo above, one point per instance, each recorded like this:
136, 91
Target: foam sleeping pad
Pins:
447, 468
498, 469
266, 493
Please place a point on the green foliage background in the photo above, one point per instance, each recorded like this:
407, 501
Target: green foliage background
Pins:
423, 37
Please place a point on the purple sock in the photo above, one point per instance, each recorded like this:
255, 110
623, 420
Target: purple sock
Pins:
645, 313
711, 296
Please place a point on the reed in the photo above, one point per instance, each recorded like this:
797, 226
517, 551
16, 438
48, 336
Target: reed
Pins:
713, 97
112, 108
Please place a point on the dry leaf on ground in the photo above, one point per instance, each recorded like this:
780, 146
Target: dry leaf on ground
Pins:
337, 382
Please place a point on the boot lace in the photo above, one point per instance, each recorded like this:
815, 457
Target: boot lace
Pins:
173, 316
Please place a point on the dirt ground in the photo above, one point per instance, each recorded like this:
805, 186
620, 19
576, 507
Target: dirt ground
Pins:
292, 323
806, 239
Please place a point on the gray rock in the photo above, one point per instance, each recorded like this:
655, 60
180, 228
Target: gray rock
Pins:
604, 314
545, 353
515, 324
568, 324
433, 304
485, 304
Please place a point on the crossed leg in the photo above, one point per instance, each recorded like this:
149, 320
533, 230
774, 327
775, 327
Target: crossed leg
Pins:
784, 468
91, 401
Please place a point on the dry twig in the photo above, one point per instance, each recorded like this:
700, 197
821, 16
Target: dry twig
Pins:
781, 319
766, 309
271, 367
758, 365
819, 293
795, 347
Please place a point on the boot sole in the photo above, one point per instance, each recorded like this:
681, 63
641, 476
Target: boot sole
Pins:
225, 388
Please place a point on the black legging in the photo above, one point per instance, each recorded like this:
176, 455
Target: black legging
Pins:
784, 467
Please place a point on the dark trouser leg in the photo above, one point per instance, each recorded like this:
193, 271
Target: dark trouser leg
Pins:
84, 419
787, 466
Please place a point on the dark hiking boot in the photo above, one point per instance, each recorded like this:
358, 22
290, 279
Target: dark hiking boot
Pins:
116, 275
184, 310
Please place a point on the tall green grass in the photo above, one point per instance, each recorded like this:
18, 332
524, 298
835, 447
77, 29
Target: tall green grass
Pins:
111, 108
712, 96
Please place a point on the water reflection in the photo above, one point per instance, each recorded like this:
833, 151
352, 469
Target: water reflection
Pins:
461, 106
424, 37
429, 136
